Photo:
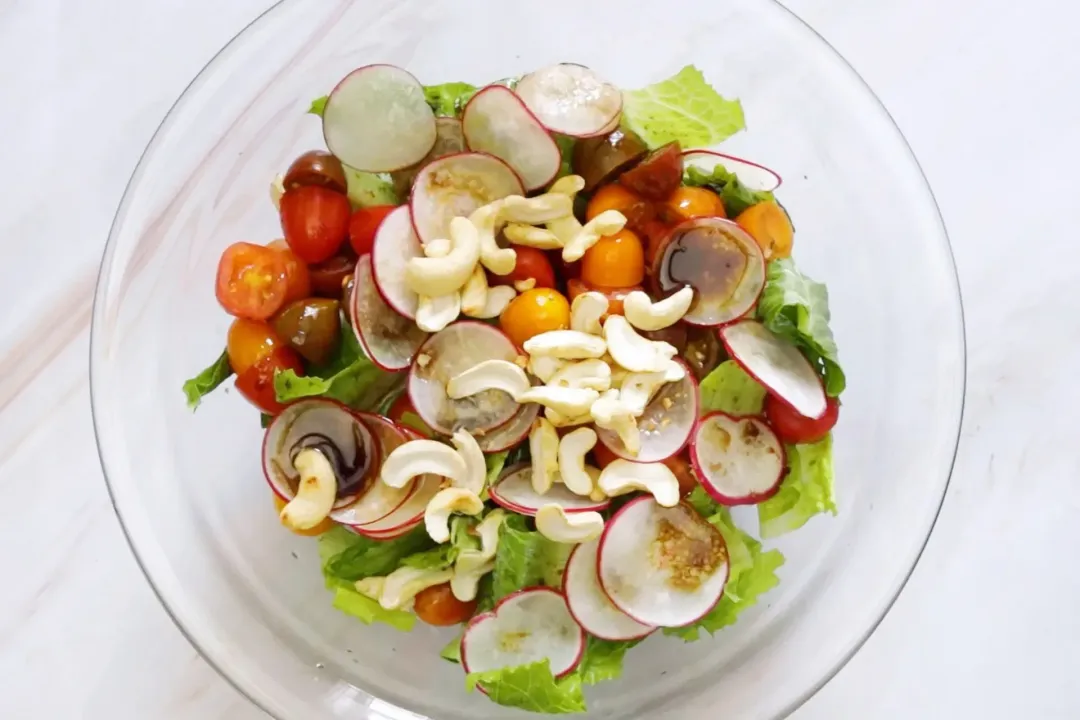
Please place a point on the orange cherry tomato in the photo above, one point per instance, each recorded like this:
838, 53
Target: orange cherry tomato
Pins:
619, 197
770, 227
615, 296
256, 383
325, 526
296, 273
249, 341
533, 312
693, 202
615, 261
363, 225
315, 220
532, 264
654, 232
252, 281
437, 606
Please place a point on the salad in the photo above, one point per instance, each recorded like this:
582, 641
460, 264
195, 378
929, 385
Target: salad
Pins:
519, 351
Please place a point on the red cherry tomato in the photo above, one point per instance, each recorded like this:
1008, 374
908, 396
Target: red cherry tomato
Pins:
791, 427
252, 281
532, 264
403, 413
257, 382
296, 273
328, 277
438, 606
363, 225
315, 220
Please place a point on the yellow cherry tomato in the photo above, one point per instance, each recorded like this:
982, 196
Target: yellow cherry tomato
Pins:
615, 261
619, 197
325, 526
694, 202
770, 227
533, 312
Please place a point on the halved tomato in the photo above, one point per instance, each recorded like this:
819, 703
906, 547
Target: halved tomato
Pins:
252, 280
257, 382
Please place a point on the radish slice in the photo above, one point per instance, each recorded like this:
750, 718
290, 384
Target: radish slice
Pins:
377, 119
514, 491
449, 140
739, 460
449, 353
394, 246
389, 339
720, 261
662, 566
380, 500
750, 174
455, 186
391, 535
588, 603
666, 424
358, 451
496, 121
571, 99
528, 626
776, 364
511, 432
411, 512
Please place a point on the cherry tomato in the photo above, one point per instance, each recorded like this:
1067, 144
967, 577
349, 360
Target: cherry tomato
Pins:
602, 456
437, 606
316, 167
615, 296
315, 220
658, 175
615, 261
534, 312
532, 264
403, 413
791, 427
363, 225
328, 277
655, 233
325, 526
770, 227
296, 273
619, 197
693, 202
249, 341
251, 281
676, 335
257, 382
683, 471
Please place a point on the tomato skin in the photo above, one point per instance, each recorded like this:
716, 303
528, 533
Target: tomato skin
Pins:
615, 296
315, 221
793, 428
532, 264
257, 382
325, 526
363, 225
328, 277
684, 472
296, 273
614, 196
249, 341
687, 203
770, 227
658, 175
316, 167
615, 261
602, 456
533, 312
437, 606
251, 281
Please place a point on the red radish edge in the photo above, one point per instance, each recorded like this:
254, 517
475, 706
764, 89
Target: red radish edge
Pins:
779, 180
389, 244
511, 432
499, 499
511, 96
576, 616
376, 424
704, 476
606, 128
365, 266
411, 522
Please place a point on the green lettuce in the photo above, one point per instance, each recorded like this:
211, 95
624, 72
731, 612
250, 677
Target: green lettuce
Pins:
349, 377
318, 105
370, 611
452, 651
348, 557
526, 558
797, 308
685, 108
735, 196
603, 660
806, 491
531, 687
730, 389
436, 558
367, 189
448, 99
208, 380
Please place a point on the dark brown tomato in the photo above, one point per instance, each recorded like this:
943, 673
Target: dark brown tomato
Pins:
703, 350
316, 167
600, 158
657, 176
328, 277
312, 327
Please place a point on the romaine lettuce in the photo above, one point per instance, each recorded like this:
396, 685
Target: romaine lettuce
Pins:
735, 196
531, 687
208, 380
730, 389
603, 660
806, 491
526, 558
685, 108
349, 378
348, 557
370, 611
448, 99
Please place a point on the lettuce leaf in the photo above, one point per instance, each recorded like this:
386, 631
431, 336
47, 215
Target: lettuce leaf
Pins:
436, 558
806, 491
685, 108
526, 558
448, 99
730, 389
207, 381
318, 105
348, 557
735, 196
797, 308
349, 377
531, 687
452, 651
367, 189
603, 660
370, 611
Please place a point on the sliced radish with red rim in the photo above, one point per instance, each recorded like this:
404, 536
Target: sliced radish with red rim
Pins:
390, 340
662, 566
750, 174
514, 491
511, 432
776, 364
394, 246
377, 119
528, 626
411, 513
589, 605
738, 460
455, 186
571, 99
496, 121
449, 140
666, 424
380, 500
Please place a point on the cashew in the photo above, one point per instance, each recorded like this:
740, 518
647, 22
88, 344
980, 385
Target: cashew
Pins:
500, 261
674, 371
316, 494
277, 189
435, 313
441, 276
465, 582
525, 285
622, 476
608, 222
488, 531
586, 311
437, 248
557, 525
593, 374
559, 420
475, 467
566, 228
406, 582
618, 373
632, 351
610, 413
573, 448
566, 345
597, 495
566, 401
568, 185
638, 389
530, 236
419, 457
644, 314
498, 298
489, 375
446, 502
545, 367
371, 587
474, 294
544, 448
537, 210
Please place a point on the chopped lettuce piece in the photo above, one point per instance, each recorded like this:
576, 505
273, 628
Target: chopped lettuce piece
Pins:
526, 558
730, 389
461, 536
415, 422
349, 378
206, 381
806, 491
318, 105
448, 99
735, 196
603, 660
370, 611
436, 558
349, 557
368, 189
566, 151
531, 687
452, 651
701, 501
685, 108
495, 463
797, 308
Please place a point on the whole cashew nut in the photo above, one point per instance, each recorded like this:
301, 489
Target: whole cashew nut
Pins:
474, 294
530, 236
544, 449
441, 276
557, 525
435, 313
622, 476
489, 375
316, 493
566, 345
445, 503
644, 314
420, 457
632, 351
608, 222
500, 261
573, 448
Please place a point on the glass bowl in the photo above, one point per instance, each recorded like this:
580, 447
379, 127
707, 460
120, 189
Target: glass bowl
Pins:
188, 487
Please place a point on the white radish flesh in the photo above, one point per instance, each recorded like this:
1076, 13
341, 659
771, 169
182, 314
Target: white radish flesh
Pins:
496, 121
394, 246
571, 99
390, 340
776, 364
380, 500
455, 186
750, 174
514, 491
411, 512
738, 460
511, 432
589, 605
665, 426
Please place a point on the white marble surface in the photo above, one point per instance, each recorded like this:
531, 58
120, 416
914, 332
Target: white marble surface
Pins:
986, 92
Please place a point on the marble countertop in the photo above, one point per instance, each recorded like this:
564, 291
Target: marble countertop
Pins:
986, 93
